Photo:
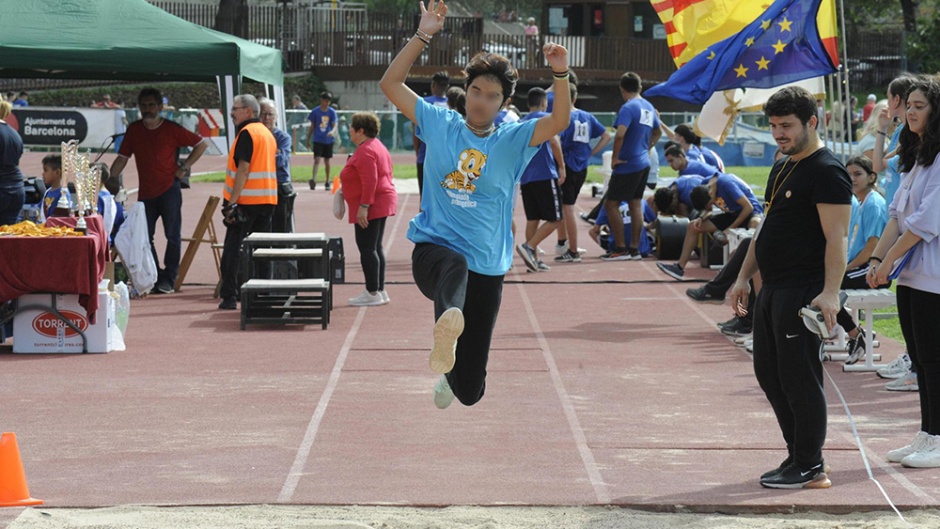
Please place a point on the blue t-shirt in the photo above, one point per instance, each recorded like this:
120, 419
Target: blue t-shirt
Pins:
282, 158
51, 199
322, 122
685, 184
706, 155
698, 168
437, 101
868, 220
469, 185
730, 188
576, 139
542, 166
639, 116
893, 177
648, 216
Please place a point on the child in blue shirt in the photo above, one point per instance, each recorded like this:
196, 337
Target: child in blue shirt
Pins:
463, 242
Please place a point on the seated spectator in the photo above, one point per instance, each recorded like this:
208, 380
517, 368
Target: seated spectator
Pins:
676, 199
738, 208
686, 166
105, 102
52, 177
869, 217
22, 100
600, 231
691, 144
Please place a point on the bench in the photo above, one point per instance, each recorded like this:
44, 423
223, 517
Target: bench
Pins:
285, 301
866, 300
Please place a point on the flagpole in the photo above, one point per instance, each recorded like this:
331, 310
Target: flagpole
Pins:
845, 61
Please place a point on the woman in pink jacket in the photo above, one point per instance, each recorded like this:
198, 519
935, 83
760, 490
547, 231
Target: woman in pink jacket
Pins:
370, 198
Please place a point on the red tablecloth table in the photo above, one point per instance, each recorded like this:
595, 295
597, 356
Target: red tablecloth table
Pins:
66, 265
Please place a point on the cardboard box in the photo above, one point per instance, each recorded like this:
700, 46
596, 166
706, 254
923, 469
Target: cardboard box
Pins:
40, 331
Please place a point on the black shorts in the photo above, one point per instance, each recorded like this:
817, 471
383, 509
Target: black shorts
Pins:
572, 186
322, 150
723, 220
628, 186
542, 200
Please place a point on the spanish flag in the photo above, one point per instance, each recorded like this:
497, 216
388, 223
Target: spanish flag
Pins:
694, 25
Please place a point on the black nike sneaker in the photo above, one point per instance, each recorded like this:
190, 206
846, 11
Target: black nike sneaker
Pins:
795, 477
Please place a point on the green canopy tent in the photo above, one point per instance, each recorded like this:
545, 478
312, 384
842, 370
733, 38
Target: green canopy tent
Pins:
128, 40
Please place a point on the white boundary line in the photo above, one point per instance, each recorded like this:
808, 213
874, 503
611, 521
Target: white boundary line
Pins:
313, 427
587, 457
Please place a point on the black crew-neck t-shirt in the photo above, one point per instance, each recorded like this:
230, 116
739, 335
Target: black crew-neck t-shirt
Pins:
791, 247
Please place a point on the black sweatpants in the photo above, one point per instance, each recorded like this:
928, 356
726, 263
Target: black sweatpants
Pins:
443, 277
918, 313
788, 369
371, 253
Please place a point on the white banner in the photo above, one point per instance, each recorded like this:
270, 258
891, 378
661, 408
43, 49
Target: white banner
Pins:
92, 127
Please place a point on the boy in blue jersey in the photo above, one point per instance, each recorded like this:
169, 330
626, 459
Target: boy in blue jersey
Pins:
739, 208
637, 130
541, 196
463, 242
52, 177
323, 128
577, 150
439, 83
676, 199
685, 165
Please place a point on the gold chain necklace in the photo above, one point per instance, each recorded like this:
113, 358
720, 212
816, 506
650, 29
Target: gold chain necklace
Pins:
778, 184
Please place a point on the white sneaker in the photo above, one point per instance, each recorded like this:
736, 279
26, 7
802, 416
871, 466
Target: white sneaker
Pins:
560, 249
896, 369
898, 455
927, 457
367, 300
741, 340
906, 383
385, 298
443, 395
448, 328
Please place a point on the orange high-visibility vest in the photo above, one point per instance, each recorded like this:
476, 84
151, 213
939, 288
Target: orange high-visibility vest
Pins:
261, 186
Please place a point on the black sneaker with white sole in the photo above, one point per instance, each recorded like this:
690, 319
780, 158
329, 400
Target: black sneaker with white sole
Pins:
702, 295
787, 462
796, 477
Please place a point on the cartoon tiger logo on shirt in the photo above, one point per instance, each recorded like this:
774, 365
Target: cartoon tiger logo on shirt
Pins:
471, 165
324, 123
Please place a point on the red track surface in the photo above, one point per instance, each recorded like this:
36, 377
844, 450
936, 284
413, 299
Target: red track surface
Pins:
606, 386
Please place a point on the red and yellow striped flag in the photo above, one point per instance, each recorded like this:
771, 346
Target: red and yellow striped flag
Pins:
693, 25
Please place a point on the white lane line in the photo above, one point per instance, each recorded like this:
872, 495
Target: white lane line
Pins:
303, 452
587, 457
313, 427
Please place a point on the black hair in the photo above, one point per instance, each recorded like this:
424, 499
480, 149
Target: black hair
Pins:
688, 135
440, 80
793, 100
665, 199
326, 95
150, 92
674, 150
452, 94
573, 91
668, 143
497, 66
24, 94
536, 97
53, 160
901, 85
631, 83
922, 149
700, 197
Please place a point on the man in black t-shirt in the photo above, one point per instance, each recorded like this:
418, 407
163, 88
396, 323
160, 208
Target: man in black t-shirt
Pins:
800, 250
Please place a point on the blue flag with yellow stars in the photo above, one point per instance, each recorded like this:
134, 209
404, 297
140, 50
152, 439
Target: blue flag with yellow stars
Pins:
781, 46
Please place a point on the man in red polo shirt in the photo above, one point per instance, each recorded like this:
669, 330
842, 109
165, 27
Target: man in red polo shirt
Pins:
154, 142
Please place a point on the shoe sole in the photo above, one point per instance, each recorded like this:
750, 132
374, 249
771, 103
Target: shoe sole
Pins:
619, 258
708, 301
891, 376
904, 388
526, 258
448, 328
819, 482
443, 400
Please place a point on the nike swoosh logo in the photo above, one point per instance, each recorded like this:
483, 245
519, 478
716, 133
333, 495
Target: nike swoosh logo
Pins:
804, 474
792, 336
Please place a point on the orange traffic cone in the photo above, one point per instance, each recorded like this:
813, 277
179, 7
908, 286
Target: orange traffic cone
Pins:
13, 489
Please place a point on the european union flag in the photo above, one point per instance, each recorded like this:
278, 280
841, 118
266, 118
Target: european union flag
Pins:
781, 46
